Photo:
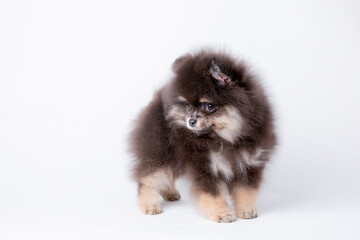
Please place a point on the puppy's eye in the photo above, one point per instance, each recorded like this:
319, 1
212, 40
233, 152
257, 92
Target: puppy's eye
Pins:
186, 104
210, 107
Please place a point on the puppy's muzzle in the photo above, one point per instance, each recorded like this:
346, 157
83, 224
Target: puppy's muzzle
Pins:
192, 122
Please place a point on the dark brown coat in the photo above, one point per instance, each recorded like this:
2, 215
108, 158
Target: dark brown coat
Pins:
159, 140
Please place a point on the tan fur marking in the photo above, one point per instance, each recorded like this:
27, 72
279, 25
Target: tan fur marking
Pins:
152, 186
205, 100
245, 201
215, 207
176, 114
182, 99
228, 125
149, 200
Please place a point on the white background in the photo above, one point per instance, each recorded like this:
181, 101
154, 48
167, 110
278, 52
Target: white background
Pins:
74, 74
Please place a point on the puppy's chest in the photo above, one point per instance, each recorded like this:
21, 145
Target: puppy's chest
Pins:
238, 162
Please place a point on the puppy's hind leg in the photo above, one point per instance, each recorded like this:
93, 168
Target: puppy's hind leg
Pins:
154, 185
169, 192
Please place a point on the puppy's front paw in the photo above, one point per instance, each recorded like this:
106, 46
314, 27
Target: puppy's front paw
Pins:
151, 209
247, 213
225, 217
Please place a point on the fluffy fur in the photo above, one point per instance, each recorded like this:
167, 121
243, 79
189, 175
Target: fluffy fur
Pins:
212, 122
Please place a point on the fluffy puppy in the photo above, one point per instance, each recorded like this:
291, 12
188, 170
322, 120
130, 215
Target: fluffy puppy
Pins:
211, 122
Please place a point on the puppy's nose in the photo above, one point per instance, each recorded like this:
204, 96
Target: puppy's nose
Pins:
192, 122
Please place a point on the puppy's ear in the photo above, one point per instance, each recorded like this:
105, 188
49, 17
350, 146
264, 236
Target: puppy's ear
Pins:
180, 62
221, 78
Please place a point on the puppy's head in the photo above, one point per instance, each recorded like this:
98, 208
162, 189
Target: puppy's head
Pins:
206, 95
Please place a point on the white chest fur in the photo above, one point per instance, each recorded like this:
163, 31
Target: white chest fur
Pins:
253, 159
220, 165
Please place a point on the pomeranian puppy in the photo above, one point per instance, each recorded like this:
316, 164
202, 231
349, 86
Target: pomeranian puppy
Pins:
211, 122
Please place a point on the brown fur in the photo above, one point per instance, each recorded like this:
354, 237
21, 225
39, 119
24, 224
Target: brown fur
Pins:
229, 146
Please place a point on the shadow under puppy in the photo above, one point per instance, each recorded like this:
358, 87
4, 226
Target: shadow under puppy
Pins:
211, 122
